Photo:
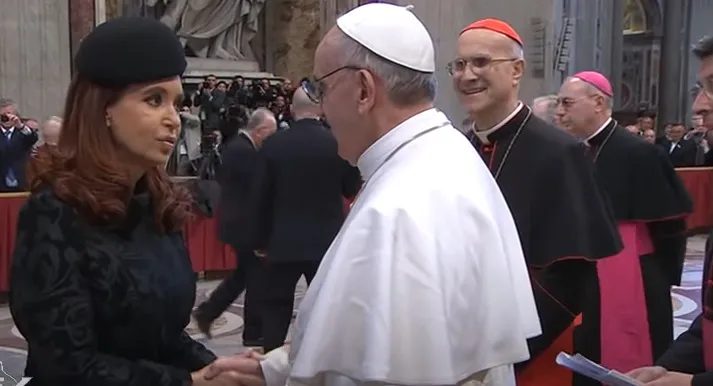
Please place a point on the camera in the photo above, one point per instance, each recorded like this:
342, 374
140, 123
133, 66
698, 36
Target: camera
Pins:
4, 118
206, 84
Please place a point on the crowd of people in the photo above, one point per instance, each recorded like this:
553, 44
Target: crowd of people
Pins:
464, 259
21, 137
216, 112
687, 145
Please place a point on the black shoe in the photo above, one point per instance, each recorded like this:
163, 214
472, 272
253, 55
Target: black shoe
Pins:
252, 342
203, 322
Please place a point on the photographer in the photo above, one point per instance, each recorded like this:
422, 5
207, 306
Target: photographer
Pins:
188, 147
210, 99
16, 143
238, 93
263, 93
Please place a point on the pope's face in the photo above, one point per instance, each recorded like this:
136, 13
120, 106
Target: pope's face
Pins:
486, 70
338, 91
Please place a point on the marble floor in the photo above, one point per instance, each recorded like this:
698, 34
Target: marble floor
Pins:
227, 329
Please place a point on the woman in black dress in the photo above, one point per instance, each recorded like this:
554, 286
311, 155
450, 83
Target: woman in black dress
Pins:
101, 282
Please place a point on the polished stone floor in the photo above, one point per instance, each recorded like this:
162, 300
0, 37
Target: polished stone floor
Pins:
227, 338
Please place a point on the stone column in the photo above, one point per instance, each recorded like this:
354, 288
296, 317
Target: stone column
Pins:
99, 11
672, 48
81, 22
35, 55
330, 10
616, 70
294, 36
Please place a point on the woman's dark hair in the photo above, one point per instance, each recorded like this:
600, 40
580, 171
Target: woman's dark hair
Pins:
85, 171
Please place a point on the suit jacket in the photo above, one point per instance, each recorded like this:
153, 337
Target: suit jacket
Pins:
236, 176
210, 105
15, 154
683, 155
686, 354
300, 191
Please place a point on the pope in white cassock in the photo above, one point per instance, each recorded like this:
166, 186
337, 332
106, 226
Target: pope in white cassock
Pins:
425, 284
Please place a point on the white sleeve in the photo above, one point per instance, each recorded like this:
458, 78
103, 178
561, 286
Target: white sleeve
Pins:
276, 367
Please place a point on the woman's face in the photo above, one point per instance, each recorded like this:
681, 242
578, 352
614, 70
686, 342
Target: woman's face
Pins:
145, 122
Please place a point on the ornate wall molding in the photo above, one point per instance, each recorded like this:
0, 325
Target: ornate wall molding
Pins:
330, 10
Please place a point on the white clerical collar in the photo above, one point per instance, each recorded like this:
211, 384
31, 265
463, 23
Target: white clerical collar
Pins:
377, 153
483, 134
247, 135
599, 130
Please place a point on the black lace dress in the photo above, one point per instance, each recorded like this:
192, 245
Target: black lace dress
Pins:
102, 306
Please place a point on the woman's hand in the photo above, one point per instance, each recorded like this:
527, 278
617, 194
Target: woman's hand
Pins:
647, 374
239, 370
227, 378
672, 379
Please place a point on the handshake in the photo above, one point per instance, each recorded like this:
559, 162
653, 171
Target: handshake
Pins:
238, 370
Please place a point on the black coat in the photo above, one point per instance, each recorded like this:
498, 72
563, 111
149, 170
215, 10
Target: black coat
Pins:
686, 354
562, 216
240, 161
102, 306
300, 192
683, 155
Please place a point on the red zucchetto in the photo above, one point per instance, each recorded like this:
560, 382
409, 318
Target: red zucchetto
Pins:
495, 25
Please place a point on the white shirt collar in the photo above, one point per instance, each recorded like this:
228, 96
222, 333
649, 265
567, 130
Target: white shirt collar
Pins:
599, 130
483, 134
377, 153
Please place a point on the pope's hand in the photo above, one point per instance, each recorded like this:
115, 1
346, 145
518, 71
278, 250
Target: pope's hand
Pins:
647, 374
246, 366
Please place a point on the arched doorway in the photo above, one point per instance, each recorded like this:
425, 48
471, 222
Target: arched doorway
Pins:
640, 62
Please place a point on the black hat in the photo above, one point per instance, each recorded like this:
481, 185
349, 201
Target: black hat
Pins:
130, 50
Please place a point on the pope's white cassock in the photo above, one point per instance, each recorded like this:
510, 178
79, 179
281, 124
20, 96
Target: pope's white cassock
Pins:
425, 284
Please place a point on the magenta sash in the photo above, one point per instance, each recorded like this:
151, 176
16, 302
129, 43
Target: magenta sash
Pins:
625, 338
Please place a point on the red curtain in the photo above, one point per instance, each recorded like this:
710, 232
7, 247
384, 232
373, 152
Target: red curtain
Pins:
209, 254
699, 182
206, 251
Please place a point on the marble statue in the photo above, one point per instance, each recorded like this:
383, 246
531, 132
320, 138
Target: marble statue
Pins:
216, 29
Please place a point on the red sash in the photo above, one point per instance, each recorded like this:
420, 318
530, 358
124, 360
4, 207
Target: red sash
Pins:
543, 370
625, 338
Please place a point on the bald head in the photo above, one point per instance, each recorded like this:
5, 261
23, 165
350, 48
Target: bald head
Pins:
303, 107
261, 124
544, 108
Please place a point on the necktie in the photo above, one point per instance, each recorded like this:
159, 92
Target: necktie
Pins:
10, 179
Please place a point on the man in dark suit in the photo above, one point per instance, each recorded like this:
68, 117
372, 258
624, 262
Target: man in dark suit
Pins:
681, 152
210, 98
16, 142
300, 203
236, 176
